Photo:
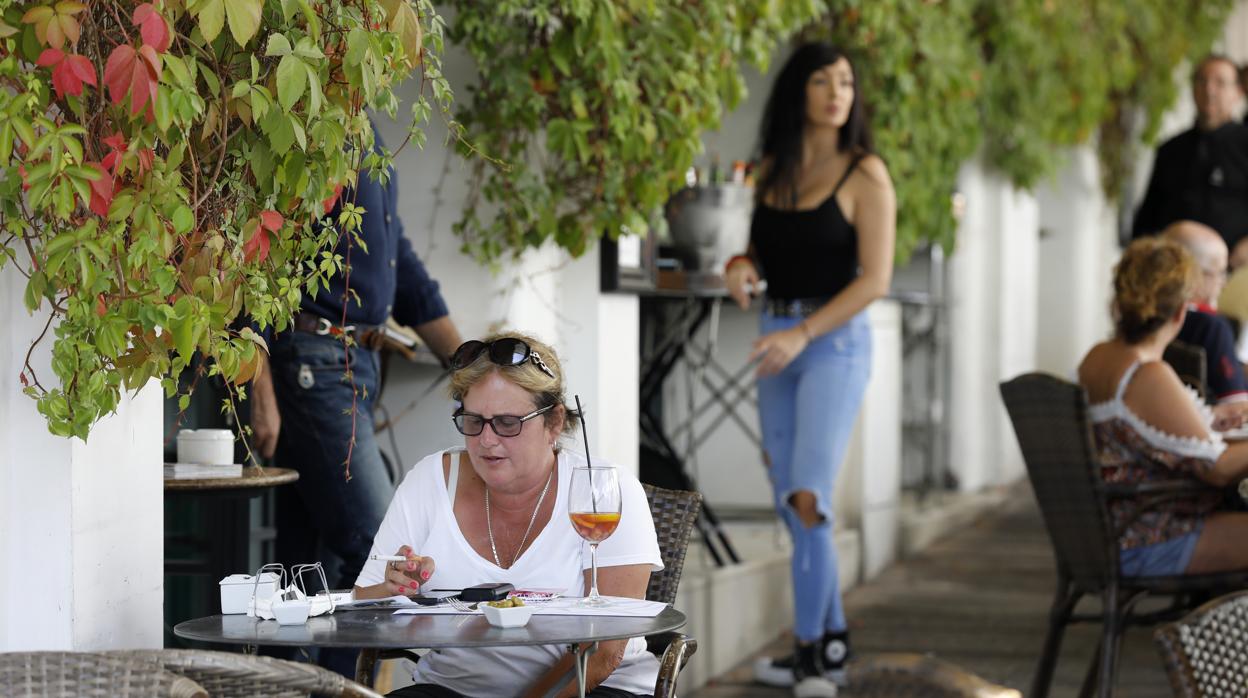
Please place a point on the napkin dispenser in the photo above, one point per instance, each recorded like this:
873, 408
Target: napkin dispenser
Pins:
236, 590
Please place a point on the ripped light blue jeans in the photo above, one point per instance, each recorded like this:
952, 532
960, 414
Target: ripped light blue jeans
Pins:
807, 413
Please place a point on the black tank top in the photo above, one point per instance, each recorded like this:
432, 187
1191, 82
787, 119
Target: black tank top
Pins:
806, 253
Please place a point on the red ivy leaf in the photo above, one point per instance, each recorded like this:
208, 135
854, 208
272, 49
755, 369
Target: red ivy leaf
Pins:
100, 308
152, 27
332, 201
50, 56
146, 157
101, 191
271, 220
69, 71
21, 170
116, 150
125, 73
256, 249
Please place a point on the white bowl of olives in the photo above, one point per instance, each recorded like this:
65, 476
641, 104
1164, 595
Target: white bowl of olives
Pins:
508, 613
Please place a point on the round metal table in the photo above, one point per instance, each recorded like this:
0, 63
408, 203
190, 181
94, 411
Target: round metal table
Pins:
386, 630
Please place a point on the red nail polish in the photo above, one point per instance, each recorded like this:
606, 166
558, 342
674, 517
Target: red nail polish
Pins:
424, 575
414, 585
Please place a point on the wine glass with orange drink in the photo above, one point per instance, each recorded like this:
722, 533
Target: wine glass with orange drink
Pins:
594, 507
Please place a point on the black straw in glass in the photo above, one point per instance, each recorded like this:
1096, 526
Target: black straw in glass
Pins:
585, 435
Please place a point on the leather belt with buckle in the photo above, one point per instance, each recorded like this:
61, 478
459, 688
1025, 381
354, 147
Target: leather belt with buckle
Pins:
794, 307
367, 336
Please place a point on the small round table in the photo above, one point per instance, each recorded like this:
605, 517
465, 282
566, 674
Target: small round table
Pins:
387, 630
252, 478
220, 545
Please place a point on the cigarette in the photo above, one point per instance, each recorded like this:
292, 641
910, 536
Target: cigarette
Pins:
388, 558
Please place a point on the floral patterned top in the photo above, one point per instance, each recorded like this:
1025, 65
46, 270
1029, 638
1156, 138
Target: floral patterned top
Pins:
1132, 450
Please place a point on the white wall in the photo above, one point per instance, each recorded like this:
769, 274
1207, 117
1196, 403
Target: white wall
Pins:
543, 293
81, 525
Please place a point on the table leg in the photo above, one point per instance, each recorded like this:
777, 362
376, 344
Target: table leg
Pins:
581, 658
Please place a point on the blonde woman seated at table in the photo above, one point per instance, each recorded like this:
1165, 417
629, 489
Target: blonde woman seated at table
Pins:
1149, 426
496, 511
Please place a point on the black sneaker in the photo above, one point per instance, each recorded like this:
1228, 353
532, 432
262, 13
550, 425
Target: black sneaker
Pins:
808, 678
835, 655
779, 671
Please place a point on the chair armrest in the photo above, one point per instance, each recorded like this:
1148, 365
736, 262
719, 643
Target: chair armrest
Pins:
1124, 490
678, 649
1150, 495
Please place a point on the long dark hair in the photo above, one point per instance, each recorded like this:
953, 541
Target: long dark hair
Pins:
784, 120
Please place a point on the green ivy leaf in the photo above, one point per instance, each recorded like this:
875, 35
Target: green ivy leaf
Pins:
183, 220
278, 45
291, 81
244, 18
211, 15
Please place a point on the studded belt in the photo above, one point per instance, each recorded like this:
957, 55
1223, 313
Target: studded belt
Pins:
794, 307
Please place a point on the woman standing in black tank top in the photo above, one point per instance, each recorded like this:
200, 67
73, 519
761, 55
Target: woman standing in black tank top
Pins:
822, 236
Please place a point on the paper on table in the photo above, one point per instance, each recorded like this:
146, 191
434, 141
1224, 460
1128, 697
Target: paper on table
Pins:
378, 604
620, 606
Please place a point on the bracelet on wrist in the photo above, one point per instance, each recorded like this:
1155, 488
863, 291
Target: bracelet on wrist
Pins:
734, 259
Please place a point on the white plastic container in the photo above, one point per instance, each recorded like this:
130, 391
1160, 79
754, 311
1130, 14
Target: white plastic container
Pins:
513, 617
206, 446
236, 591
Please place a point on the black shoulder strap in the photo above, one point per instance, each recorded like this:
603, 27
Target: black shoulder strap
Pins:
848, 171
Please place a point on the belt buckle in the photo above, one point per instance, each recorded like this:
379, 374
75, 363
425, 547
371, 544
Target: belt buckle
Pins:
325, 327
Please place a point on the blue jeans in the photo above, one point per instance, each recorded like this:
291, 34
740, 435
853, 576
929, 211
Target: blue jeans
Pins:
324, 509
808, 412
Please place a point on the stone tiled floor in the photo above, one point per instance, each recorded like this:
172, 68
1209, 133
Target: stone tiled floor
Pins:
978, 598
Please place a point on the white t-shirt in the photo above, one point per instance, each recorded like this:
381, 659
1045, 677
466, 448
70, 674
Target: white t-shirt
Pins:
421, 516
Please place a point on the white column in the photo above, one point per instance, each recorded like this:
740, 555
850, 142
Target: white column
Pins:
81, 524
868, 491
993, 288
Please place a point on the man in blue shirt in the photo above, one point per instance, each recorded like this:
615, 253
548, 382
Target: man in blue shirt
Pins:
1203, 327
302, 408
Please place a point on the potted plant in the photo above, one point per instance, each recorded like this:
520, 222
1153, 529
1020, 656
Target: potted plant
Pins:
164, 166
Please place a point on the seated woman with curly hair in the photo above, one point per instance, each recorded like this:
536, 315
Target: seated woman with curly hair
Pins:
1149, 426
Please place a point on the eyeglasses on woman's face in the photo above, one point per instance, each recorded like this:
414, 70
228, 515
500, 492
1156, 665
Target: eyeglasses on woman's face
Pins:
505, 351
470, 424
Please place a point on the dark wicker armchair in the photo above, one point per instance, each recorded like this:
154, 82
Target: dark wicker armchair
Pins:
918, 676
1051, 422
66, 674
1204, 652
229, 675
674, 513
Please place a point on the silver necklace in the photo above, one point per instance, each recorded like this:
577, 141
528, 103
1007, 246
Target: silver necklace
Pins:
489, 526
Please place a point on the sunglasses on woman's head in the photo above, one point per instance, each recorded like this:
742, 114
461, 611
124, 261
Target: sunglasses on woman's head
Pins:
507, 351
470, 424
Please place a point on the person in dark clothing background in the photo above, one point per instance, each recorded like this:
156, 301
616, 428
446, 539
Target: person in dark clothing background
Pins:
1202, 173
302, 407
1205, 328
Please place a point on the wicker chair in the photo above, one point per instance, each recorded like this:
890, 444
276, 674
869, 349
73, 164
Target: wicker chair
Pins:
918, 676
1188, 360
57, 674
674, 513
226, 674
1051, 422
1204, 652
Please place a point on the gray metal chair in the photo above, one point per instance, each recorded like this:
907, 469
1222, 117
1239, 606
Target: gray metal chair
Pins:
229, 675
76, 674
1051, 422
1206, 652
674, 513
